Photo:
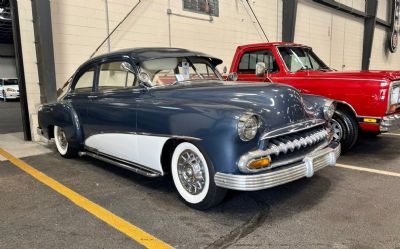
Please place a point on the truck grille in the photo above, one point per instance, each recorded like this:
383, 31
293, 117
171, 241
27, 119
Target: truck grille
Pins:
293, 147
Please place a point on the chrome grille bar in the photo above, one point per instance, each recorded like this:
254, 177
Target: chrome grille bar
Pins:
291, 143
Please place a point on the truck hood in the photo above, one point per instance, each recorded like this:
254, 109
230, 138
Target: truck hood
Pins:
351, 75
277, 104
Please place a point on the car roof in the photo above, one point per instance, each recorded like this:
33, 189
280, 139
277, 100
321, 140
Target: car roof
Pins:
149, 53
277, 44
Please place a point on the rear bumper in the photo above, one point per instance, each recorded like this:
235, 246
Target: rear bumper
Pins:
390, 123
306, 168
12, 95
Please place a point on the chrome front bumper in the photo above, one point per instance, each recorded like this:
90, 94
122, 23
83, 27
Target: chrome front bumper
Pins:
306, 168
391, 122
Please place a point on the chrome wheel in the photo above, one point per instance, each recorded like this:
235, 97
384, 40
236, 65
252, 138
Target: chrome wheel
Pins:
191, 172
62, 139
337, 130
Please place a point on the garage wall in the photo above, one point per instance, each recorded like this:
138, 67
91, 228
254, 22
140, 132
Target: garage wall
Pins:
80, 26
335, 37
7, 61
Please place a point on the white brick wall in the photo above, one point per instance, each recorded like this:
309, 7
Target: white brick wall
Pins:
80, 26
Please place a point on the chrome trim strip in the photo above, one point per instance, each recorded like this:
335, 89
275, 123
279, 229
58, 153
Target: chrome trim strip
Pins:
251, 182
293, 128
140, 169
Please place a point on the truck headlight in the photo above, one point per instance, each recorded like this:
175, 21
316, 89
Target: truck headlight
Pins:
394, 97
248, 126
329, 110
10, 90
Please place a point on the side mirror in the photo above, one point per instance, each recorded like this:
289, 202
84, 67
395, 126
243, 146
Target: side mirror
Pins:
232, 77
125, 66
144, 79
260, 69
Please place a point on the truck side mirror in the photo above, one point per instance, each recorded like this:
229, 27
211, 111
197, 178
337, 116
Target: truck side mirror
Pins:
260, 69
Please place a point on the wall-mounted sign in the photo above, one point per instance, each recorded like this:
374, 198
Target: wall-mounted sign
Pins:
395, 29
208, 7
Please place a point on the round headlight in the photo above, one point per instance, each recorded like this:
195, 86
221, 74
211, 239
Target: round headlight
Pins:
329, 110
248, 126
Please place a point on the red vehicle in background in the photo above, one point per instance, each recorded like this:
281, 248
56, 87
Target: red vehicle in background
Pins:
366, 100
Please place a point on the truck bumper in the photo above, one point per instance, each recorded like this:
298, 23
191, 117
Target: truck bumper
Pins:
281, 175
390, 123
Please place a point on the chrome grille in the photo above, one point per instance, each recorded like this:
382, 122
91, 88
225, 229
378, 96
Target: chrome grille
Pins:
296, 141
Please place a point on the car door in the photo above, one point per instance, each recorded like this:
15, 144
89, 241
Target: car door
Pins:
247, 65
79, 96
112, 111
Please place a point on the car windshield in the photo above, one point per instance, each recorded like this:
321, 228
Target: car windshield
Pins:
169, 71
10, 82
301, 58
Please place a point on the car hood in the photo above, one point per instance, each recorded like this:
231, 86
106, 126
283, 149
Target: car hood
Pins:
357, 75
277, 104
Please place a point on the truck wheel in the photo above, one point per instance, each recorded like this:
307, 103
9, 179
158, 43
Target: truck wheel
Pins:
193, 176
62, 144
345, 129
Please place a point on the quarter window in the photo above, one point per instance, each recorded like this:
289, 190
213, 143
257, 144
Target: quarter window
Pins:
85, 81
247, 64
113, 76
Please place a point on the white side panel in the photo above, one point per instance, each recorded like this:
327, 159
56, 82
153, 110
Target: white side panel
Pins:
141, 149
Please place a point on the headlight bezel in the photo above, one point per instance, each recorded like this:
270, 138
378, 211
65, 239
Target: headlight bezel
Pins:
247, 127
393, 86
329, 109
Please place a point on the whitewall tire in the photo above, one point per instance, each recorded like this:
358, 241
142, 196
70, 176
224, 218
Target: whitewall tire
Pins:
62, 144
193, 177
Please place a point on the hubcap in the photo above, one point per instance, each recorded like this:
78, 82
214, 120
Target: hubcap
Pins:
337, 130
62, 139
191, 172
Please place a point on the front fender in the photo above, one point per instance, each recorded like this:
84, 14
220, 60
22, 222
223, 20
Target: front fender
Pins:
61, 114
214, 128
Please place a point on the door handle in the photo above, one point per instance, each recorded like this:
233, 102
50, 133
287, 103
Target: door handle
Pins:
92, 97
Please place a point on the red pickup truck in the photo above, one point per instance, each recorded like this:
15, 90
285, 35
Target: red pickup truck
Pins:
366, 100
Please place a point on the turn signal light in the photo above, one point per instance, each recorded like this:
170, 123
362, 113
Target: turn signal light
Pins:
260, 163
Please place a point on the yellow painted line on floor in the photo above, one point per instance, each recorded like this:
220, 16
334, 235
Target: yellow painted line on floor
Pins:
376, 171
103, 214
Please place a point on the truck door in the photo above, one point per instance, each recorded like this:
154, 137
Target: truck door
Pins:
247, 65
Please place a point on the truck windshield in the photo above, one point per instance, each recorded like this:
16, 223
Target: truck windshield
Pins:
168, 71
301, 58
10, 82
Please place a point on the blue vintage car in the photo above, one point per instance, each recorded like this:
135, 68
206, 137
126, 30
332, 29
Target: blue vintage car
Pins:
162, 110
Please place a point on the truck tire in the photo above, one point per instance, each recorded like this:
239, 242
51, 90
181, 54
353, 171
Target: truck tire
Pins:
193, 176
349, 128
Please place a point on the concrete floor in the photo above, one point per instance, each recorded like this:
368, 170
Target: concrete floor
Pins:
337, 208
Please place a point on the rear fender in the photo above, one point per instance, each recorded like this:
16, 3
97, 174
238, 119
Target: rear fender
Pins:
61, 114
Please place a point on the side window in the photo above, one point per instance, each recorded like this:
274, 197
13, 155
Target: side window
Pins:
113, 76
247, 64
85, 81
